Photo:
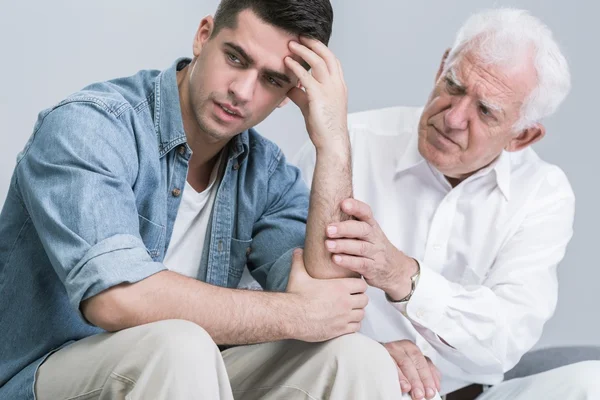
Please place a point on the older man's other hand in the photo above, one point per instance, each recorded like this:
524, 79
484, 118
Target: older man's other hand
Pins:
416, 372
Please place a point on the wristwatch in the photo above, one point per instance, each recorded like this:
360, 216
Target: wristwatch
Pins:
414, 280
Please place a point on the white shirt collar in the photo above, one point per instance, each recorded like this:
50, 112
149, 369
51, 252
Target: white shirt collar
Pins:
501, 167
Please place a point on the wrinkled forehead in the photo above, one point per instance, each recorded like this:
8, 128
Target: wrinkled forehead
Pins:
506, 82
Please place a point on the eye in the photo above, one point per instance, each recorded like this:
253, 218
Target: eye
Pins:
484, 110
233, 58
451, 86
272, 81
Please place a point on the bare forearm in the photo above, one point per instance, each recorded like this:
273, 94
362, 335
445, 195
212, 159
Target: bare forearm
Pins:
230, 316
332, 183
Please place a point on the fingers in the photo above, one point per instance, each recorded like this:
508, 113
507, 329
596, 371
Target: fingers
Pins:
360, 265
358, 209
350, 230
306, 79
408, 368
437, 377
320, 69
341, 72
415, 368
298, 271
424, 371
297, 260
299, 97
404, 385
298, 263
359, 301
322, 51
357, 315
354, 285
353, 327
359, 248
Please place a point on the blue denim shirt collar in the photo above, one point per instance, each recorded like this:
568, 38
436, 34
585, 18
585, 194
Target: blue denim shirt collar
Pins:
169, 123
167, 111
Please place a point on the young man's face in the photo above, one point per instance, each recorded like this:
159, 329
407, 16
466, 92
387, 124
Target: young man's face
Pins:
238, 77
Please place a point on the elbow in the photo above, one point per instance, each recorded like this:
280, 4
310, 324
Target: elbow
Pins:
108, 310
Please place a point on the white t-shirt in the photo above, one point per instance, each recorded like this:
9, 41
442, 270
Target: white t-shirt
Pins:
187, 241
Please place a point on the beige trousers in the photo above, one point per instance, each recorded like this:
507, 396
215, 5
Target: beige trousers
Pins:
178, 360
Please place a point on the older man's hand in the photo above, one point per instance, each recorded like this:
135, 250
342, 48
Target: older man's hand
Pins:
416, 372
361, 246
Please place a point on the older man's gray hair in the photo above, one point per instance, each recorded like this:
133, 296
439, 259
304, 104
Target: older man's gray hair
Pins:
508, 37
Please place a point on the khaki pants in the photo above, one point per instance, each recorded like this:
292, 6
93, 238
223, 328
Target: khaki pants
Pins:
178, 360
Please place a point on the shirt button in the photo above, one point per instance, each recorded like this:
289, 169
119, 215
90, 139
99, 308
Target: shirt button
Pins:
248, 251
437, 247
176, 192
181, 149
420, 314
236, 166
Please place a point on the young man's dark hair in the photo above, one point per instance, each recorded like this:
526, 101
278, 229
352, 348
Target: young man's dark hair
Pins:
310, 18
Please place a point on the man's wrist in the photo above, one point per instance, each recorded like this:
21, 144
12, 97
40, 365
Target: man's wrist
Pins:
403, 286
290, 327
335, 144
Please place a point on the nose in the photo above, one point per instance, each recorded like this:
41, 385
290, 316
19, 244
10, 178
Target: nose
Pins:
457, 115
243, 86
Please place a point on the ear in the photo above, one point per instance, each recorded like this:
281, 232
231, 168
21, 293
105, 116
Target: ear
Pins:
203, 34
442, 65
284, 102
526, 138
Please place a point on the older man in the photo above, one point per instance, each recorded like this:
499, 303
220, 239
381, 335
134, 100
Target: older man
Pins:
465, 225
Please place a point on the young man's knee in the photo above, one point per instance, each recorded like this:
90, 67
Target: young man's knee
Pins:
360, 354
178, 341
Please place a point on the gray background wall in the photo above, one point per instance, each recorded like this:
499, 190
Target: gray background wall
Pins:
390, 50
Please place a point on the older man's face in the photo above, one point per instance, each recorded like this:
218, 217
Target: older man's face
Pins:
470, 114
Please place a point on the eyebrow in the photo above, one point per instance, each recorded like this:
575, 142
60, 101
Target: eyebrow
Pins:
484, 102
491, 106
250, 61
455, 79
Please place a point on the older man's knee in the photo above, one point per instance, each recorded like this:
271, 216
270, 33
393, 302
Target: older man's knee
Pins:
583, 378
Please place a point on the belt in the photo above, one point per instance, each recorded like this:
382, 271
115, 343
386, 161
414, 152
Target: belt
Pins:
470, 392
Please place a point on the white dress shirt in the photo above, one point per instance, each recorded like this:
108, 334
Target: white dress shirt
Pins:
488, 248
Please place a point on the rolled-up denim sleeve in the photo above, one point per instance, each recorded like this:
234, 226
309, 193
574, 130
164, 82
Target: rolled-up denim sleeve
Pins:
281, 228
75, 178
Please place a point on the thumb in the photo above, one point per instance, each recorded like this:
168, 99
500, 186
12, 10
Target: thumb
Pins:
298, 263
300, 98
298, 271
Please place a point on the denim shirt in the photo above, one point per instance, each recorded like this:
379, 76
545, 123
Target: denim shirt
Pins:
92, 204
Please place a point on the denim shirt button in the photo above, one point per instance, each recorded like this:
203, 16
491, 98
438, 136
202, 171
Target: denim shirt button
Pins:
176, 192
236, 166
181, 149
248, 251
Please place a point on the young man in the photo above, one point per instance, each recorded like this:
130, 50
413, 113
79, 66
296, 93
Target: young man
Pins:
136, 204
